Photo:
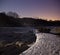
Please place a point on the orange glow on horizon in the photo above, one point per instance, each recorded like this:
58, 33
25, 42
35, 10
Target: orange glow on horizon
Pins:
53, 18
50, 18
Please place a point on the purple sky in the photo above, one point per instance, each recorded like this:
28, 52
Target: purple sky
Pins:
47, 9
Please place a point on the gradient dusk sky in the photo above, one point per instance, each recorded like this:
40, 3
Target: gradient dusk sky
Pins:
46, 9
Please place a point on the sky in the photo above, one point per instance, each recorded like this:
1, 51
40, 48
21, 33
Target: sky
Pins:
45, 9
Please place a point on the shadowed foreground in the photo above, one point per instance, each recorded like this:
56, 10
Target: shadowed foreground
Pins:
15, 40
46, 44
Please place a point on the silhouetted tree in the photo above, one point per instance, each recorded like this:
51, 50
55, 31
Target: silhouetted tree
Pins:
13, 14
6, 20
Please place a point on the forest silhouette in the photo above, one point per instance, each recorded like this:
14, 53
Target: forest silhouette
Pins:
11, 21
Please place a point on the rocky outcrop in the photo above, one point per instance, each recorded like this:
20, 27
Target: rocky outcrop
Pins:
55, 30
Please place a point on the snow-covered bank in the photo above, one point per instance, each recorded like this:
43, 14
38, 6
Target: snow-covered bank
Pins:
46, 44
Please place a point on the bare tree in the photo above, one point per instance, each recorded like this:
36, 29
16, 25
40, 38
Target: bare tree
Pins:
13, 14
